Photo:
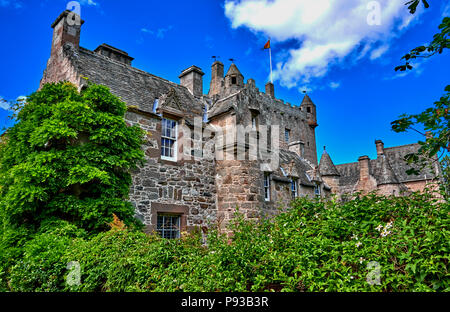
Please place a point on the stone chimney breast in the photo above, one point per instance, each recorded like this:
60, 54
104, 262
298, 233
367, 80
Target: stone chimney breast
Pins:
192, 78
380, 147
270, 90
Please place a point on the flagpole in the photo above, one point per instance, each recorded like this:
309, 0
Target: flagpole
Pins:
270, 57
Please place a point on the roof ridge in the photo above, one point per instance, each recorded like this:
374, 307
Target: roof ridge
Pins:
132, 68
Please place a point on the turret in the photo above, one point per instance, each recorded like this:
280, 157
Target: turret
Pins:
329, 172
309, 108
234, 78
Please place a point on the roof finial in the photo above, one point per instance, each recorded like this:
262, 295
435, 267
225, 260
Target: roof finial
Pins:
232, 60
324, 148
215, 57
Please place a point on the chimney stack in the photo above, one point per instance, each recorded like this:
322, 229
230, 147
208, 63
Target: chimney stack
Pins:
66, 29
270, 90
217, 72
364, 170
380, 147
192, 78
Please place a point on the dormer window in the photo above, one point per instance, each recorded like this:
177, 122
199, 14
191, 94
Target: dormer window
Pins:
233, 80
155, 105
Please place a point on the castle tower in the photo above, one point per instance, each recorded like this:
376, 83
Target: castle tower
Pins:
329, 172
234, 78
309, 108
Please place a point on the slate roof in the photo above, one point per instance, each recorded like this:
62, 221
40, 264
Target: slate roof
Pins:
135, 87
307, 100
326, 166
296, 166
389, 168
395, 156
233, 70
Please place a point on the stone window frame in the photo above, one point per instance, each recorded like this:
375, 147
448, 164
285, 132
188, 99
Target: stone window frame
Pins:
168, 209
175, 139
176, 230
287, 135
294, 187
267, 185
317, 190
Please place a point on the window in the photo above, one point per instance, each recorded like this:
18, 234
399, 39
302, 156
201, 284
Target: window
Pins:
267, 186
308, 109
287, 134
169, 139
233, 80
302, 149
253, 122
205, 113
317, 190
168, 226
294, 188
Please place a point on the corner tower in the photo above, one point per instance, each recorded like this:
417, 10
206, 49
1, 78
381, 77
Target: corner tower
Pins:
309, 108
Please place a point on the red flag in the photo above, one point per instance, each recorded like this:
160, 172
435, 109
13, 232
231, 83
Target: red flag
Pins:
267, 45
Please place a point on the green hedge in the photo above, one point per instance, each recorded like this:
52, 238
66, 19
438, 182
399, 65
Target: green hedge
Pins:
315, 246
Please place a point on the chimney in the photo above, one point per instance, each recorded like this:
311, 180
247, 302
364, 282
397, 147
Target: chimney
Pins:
364, 170
114, 54
66, 29
192, 78
216, 78
380, 147
270, 90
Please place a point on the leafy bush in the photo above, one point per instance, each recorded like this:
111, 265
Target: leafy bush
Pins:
314, 246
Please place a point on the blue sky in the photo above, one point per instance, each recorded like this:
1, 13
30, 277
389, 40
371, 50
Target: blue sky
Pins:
324, 46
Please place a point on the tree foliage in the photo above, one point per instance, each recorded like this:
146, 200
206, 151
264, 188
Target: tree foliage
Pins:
68, 157
434, 120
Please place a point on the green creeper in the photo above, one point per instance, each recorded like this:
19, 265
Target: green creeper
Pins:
68, 158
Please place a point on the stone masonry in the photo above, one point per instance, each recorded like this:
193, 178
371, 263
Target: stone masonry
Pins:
208, 154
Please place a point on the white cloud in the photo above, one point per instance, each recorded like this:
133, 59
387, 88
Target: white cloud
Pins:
160, 32
378, 52
446, 11
145, 30
329, 31
88, 2
335, 85
4, 104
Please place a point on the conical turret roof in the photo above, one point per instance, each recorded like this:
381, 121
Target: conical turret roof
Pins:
233, 70
326, 166
307, 100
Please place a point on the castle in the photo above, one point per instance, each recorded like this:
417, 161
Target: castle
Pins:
207, 154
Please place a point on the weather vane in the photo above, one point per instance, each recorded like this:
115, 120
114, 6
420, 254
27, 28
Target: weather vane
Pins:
215, 57
232, 60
